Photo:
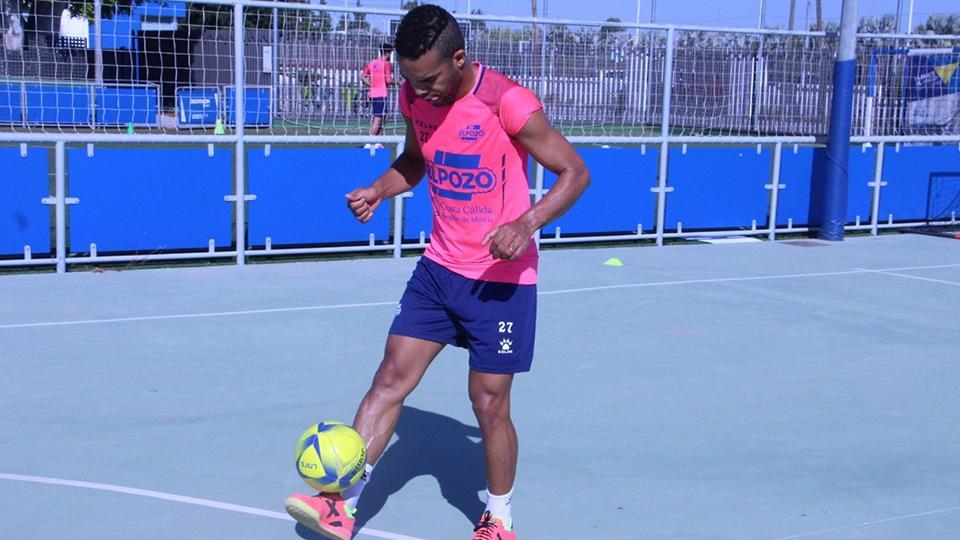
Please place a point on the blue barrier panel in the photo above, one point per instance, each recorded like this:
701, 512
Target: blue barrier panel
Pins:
197, 107
58, 104
256, 107
11, 103
922, 183
119, 105
619, 196
145, 200
300, 195
418, 213
117, 32
860, 198
718, 187
24, 220
799, 168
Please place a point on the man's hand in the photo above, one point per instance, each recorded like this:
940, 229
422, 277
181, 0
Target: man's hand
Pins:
508, 241
362, 202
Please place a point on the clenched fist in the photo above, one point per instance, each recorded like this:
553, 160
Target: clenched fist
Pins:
362, 202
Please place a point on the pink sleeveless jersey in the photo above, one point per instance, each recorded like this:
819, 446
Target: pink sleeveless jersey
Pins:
477, 174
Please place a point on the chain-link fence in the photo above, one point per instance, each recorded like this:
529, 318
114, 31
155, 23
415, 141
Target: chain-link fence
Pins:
170, 68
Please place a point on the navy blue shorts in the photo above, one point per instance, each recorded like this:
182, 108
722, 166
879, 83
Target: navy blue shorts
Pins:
496, 322
379, 105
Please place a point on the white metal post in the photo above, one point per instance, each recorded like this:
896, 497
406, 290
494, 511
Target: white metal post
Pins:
60, 195
661, 189
537, 194
239, 97
637, 31
275, 65
760, 73
775, 190
98, 41
876, 185
910, 18
398, 215
897, 19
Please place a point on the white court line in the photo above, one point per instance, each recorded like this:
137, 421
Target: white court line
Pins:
888, 273
694, 281
182, 499
542, 293
928, 267
868, 523
197, 315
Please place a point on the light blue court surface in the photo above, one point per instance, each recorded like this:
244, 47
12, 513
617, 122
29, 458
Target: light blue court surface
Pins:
744, 391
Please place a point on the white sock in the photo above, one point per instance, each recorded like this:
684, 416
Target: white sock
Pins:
352, 494
499, 506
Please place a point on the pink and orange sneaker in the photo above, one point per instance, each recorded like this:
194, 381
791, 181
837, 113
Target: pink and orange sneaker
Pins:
325, 513
492, 528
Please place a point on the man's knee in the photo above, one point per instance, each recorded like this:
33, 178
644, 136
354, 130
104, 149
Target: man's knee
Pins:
391, 382
491, 408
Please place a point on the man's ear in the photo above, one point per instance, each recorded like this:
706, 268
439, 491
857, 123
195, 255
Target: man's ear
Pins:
460, 58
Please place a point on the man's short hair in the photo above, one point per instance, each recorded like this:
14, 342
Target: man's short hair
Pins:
428, 27
386, 48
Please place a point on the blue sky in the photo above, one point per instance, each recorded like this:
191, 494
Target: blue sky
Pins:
736, 13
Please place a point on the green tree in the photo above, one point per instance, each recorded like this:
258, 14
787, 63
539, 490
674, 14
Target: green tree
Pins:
354, 22
87, 8
559, 34
501, 34
871, 24
941, 24
608, 33
306, 21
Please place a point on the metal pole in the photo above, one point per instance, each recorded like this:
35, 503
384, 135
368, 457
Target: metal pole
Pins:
910, 18
775, 189
836, 187
398, 215
653, 11
61, 205
759, 77
897, 18
275, 68
876, 185
239, 80
763, 14
537, 196
98, 41
661, 189
637, 30
543, 62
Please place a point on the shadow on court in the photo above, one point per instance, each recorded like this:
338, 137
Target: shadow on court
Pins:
428, 444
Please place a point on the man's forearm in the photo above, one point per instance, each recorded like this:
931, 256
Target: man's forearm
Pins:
569, 186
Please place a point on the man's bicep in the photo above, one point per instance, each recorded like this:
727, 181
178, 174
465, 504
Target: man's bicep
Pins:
546, 144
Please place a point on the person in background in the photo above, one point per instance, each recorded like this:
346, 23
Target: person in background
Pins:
377, 75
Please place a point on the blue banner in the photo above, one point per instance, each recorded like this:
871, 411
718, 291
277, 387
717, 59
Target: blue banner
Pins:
933, 91
198, 107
